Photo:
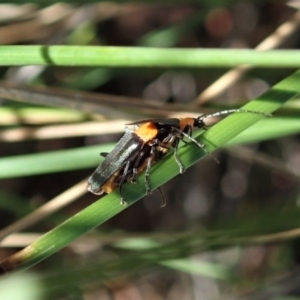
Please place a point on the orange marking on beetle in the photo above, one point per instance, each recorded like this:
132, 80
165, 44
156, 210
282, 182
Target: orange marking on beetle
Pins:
110, 184
185, 121
147, 132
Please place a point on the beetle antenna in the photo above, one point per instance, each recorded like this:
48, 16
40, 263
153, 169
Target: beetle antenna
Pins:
230, 111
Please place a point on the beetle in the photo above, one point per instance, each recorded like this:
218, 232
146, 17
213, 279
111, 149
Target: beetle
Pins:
141, 148
125, 159
148, 156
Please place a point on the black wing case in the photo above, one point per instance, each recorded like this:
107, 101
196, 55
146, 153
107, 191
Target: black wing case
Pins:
171, 122
127, 148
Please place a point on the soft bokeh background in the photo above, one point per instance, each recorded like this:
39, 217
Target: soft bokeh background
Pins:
253, 184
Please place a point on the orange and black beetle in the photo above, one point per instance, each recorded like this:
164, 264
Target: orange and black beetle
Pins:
139, 149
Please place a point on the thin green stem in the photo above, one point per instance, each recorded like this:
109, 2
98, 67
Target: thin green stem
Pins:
145, 57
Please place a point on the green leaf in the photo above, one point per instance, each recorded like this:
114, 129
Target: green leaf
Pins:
49, 162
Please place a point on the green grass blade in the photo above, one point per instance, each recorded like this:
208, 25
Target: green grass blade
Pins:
145, 57
49, 162
202, 268
267, 129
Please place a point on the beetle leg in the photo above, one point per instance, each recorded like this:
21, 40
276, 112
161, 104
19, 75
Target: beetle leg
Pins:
179, 163
134, 175
202, 146
163, 198
189, 129
104, 154
147, 173
123, 201
144, 153
135, 168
